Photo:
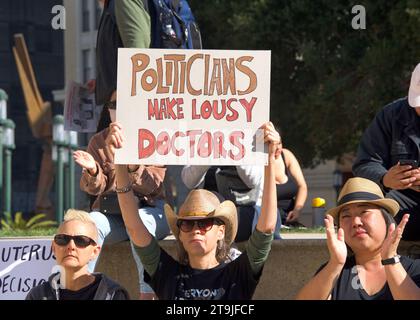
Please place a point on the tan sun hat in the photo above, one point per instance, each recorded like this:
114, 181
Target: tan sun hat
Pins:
414, 91
363, 190
202, 204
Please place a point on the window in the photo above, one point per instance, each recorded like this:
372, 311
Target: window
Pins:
86, 65
98, 14
85, 16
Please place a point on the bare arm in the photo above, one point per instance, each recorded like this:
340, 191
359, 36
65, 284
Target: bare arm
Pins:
268, 218
302, 192
129, 209
400, 283
322, 284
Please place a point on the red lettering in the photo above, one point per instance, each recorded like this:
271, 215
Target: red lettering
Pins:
194, 112
177, 152
146, 136
163, 143
234, 116
234, 140
206, 109
205, 146
219, 140
248, 107
153, 109
192, 134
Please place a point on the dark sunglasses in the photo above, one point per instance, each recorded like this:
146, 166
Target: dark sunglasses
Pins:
202, 224
79, 241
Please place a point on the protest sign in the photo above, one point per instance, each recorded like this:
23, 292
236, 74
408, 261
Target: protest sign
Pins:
192, 106
24, 263
80, 111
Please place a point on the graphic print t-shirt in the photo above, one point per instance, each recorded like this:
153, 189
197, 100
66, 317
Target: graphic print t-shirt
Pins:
348, 286
231, 281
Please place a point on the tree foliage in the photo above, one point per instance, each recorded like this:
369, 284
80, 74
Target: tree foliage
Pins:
327, 79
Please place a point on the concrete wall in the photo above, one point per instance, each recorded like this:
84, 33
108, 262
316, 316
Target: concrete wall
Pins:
290, 265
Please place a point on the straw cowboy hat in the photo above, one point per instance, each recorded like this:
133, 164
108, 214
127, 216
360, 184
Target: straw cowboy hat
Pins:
363, 190
202, 204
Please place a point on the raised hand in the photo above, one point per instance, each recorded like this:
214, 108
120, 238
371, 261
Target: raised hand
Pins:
85, 160
115, 139
336, 245
272, 137
391, 242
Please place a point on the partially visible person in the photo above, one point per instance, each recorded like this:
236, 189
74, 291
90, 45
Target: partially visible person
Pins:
74, 245
123, 24
204, 229
240, 184
366, 229
389, 154
292, 190
98, 180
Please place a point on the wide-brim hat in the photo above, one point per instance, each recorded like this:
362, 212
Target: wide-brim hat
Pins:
363, 190
414, 90
203, 204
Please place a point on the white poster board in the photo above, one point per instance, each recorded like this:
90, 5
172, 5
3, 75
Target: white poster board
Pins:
181, 107
24, 263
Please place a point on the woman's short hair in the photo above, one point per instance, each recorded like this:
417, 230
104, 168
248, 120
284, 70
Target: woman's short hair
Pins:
79, 215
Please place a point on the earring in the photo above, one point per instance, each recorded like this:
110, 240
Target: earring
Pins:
219, 244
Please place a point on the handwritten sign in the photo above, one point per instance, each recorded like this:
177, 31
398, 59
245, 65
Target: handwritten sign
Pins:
192, 106
24, 263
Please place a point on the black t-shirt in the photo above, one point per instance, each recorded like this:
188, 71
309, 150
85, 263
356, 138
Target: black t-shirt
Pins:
231, 281
348, 286
86, 293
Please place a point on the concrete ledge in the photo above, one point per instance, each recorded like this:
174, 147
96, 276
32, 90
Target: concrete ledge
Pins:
290, 265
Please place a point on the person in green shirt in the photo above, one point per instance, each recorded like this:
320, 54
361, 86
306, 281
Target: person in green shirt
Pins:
204, 229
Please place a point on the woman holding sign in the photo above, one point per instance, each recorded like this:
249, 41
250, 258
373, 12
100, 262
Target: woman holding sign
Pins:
204, 228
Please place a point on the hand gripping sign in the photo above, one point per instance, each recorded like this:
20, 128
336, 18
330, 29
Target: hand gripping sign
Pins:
192, 106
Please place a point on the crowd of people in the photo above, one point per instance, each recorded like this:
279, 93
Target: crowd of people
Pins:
128, 203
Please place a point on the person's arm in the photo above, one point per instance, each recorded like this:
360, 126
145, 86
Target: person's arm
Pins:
193, 176
400, 283
133, 23
302, 192
93, 180
259, 244
268, 217
147, 179
374, 152
129, 209
322, 284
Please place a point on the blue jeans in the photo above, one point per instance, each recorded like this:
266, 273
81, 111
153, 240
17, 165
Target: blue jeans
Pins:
111, 229
278, 224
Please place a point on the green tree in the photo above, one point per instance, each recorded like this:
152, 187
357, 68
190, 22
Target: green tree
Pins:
327, 79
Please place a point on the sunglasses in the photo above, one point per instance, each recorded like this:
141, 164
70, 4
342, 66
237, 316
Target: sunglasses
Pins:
202, 224
79, 241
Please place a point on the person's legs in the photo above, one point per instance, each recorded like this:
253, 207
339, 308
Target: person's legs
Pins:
155, 221
111, 230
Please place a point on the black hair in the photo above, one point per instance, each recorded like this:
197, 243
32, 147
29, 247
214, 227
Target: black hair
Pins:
104, 120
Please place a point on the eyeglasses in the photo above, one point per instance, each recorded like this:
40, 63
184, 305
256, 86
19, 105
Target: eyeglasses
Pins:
79, 241
202, 224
